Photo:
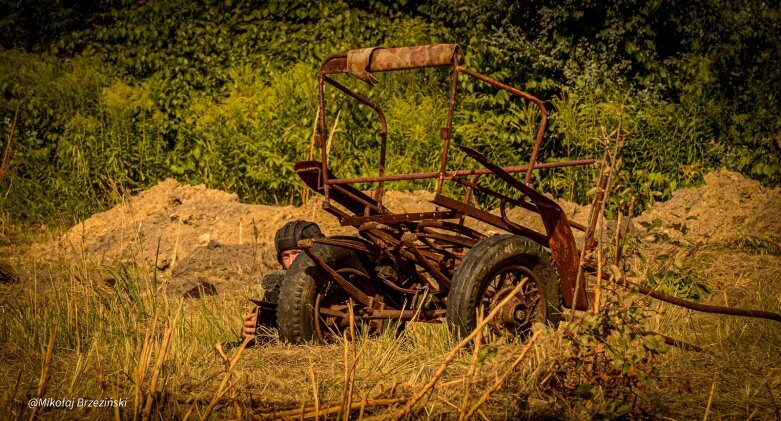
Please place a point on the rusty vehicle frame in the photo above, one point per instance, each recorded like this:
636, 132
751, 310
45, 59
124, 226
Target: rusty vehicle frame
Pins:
425, 249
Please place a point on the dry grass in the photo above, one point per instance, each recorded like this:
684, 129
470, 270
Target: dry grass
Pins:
131, 342
114, 342
741, 361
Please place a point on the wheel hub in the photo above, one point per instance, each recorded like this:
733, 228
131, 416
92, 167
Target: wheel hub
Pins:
517, 314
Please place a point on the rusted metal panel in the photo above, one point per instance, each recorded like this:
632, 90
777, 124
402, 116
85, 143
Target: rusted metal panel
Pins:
409, 315
311, 173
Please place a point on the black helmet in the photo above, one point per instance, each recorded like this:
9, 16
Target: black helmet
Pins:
288, 236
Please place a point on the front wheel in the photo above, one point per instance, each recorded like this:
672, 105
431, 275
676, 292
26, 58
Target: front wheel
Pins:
490, 272
312, 308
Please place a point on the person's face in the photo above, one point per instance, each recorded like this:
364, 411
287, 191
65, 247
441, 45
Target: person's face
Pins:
288, 256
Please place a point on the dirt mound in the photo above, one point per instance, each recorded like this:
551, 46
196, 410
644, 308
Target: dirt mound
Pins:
192, 233
728, 206
187, 232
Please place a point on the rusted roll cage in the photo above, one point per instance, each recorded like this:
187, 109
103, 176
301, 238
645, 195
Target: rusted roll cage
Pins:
426, 248
417, 254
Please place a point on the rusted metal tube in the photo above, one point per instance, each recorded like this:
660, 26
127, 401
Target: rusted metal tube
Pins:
383, 131
451, 226
356, 244
405, 314
335, 63
543, 112
525, 205
348, 287
490, 219
705, 308
458, 173
363, 100
408, 239
358, 199
447, 133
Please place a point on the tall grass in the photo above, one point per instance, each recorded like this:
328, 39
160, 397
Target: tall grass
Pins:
110, 341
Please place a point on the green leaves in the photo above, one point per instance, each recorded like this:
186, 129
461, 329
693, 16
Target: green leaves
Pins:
691, 79
608, 360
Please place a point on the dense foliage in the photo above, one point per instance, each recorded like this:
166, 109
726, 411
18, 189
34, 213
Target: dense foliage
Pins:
123, 94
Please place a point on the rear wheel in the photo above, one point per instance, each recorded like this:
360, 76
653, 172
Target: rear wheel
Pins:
490, 272
314, 308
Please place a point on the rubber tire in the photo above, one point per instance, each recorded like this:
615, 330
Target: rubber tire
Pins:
295, 311
482, 260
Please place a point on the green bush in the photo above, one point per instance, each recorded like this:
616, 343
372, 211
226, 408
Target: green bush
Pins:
223, 93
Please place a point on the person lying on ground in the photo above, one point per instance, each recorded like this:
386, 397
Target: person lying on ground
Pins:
286, 244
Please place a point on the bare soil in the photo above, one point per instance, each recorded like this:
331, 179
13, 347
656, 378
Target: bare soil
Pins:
192, 234
727, 207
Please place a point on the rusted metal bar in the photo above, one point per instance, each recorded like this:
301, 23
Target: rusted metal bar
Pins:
333, 313
451, 226
443, 282
517, 202
338, 213
373, 206
441, 248
356, 244
397, 218
458, 173
408, 315
560, 239
705, 308
591, 242
543, 112
525, 205
396, 287
447, 132
490, 219
460, 241
348, 287
321, 141
311, 173
394, 242
469, 191
408, 239
383, 131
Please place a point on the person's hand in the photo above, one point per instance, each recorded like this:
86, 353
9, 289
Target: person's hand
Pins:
250, 322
